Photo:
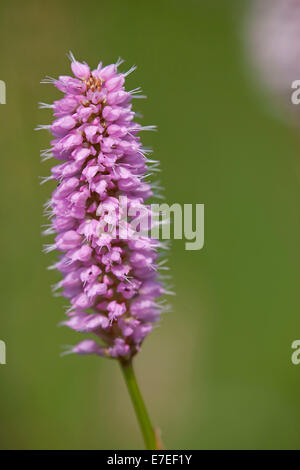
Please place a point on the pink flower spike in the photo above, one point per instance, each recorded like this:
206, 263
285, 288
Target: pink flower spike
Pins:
110, 281
109, 268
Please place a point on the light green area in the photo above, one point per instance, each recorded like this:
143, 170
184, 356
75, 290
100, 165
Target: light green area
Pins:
217, 373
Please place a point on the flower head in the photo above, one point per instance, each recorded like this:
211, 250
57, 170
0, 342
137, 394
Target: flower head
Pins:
111, 281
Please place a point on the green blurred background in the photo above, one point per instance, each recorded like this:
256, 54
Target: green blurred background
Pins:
217, 373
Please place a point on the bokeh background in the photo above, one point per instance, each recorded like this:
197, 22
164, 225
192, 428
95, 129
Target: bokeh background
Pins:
218, 371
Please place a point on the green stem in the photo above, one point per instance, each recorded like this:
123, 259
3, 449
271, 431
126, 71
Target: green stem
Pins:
139, 405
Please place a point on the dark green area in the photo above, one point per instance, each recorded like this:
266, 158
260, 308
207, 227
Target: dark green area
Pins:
217, 373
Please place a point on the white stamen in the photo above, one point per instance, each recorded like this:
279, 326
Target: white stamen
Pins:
154, 168
55, 287
69, 351
46, 155
45, 106
42, 127
48, 80
144, 128
169, 292
48, 231
132, 69
45, 179
164, 276
158, 195
119, 62
148, 151
71, 56
162, 262
49, 248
